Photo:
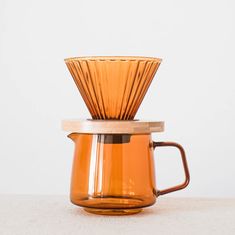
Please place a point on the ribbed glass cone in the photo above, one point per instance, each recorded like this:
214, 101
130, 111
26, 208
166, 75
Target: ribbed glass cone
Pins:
113, 87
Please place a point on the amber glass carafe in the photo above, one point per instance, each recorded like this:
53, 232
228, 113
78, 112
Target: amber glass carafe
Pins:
114, 173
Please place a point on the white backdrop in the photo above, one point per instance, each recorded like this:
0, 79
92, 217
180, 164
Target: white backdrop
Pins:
193, 90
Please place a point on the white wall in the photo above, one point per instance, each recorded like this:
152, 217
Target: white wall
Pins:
194, 90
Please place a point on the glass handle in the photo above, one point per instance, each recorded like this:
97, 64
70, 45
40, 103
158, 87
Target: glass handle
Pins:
185, 165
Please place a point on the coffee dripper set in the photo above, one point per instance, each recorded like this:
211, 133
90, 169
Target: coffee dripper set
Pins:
113, 169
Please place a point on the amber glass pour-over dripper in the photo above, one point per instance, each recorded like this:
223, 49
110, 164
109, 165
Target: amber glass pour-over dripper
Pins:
113, 87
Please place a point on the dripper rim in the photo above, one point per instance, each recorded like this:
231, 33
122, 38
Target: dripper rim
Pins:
114, 58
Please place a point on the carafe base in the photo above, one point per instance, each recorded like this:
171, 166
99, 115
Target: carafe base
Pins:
113, 211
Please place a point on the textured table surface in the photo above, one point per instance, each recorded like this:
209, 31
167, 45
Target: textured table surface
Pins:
56, 215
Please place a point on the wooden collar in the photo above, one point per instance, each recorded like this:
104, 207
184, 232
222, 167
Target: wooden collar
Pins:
112, 126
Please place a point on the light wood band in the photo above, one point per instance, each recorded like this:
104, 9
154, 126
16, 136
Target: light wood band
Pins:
112, 126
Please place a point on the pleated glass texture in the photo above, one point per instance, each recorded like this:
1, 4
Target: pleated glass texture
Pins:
113, 87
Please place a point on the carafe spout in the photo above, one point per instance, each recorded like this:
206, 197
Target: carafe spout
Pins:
73, 136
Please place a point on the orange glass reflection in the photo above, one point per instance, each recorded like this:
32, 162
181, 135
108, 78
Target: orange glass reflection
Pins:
113, 87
